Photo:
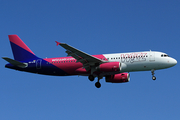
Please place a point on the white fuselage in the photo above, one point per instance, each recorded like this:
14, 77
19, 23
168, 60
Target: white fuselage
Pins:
142, 61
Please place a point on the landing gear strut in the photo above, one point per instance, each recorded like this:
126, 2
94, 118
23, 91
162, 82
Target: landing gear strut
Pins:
153, 77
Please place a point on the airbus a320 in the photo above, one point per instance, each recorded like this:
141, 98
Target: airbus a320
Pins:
114, 67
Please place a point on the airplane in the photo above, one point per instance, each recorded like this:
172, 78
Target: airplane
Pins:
114, 67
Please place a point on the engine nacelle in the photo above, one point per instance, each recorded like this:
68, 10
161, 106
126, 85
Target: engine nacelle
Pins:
109, 67
118, 78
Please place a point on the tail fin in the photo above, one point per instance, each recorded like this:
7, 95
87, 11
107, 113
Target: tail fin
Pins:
20, 50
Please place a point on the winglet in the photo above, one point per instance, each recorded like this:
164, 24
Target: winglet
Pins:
58, 43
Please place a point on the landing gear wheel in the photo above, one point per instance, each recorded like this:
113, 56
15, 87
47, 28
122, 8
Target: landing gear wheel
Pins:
154, 78
91, 77
98, 84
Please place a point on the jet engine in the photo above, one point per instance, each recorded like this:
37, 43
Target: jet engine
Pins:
109, 67
118, 78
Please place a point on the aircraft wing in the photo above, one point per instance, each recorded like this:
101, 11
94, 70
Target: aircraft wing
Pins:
87, 60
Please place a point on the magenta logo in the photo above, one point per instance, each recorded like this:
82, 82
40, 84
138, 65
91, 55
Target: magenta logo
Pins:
133, 57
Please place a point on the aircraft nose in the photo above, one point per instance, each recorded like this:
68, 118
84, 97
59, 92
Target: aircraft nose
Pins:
173, 62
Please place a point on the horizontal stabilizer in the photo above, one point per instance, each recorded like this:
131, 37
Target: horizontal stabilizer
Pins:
15, 63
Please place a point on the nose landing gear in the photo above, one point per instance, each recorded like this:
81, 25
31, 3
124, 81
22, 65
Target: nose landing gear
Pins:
153, 77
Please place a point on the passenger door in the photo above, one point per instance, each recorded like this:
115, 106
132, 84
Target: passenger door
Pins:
38, 64
151, 56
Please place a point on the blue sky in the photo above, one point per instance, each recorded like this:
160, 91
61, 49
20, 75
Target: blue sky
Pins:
95, 27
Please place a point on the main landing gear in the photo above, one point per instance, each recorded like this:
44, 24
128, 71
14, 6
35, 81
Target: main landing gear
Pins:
91, 77
153, 77
97, 84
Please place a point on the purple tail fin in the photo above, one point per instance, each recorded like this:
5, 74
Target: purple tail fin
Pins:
20, 50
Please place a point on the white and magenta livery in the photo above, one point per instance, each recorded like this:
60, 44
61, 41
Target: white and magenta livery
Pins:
114, 67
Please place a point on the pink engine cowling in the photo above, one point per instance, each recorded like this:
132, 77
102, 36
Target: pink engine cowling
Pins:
118, 78
110, 67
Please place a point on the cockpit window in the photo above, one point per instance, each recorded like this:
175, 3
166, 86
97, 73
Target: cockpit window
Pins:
164, 55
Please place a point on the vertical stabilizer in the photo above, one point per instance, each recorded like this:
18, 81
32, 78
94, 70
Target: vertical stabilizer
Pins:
20, 50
